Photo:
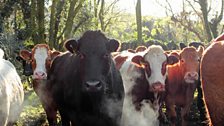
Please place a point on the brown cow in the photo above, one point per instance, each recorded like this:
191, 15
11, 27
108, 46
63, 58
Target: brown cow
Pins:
212, 69
140, 48
182, 82
41, 58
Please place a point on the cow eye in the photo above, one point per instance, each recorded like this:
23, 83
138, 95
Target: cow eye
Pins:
147, 69
164, 68
81, 56
48, 59
106, 56
182, 61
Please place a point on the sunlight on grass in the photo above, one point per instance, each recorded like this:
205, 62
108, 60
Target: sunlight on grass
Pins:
33, 114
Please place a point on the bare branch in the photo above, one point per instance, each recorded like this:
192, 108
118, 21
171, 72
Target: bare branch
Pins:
168, 9
196, 1
198, 13
188, 26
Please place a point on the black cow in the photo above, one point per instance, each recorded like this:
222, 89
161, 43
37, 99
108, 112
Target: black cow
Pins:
85, 84
27, 67
194, 44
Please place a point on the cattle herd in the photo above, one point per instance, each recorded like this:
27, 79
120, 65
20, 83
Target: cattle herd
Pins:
95, 84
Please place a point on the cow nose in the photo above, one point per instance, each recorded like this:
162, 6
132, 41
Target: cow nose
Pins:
40, 75
193, 75
27, 72
93, 85
157, 87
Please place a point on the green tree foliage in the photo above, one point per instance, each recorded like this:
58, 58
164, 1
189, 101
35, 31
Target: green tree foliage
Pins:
53, 21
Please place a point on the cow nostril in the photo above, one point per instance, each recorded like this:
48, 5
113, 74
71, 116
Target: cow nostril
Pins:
40, 74
43, 74
192, 74
87, 85
98, 85
93, 84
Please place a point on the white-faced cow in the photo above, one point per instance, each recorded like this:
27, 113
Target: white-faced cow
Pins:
11, 93
144, 76
86, 86
182, 82
40, 58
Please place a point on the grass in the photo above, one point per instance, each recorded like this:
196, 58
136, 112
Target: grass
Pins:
33, 114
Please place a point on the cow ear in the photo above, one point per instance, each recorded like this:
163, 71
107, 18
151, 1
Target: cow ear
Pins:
172, 59
71, 45
137, 60
200, 50
54, 54
140, 49
113, 45
26, 55
19, 58
131, 50
182, 45
119, 60
219, 38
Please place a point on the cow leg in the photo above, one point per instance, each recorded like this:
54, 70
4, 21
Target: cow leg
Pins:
51, 116
4, 109
184, 114
50, 109
171, 114
170, 108
10, 123
189, 99
3, 118
64, 118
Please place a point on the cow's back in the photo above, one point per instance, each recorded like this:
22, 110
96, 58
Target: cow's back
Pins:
61, 83
11, 92
212, 69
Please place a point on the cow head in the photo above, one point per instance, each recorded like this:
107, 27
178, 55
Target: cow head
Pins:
40, 59
189, 63
140, 48
93, 51
27, 67
154, 63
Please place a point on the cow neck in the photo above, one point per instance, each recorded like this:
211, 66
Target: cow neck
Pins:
140, 92
39, 84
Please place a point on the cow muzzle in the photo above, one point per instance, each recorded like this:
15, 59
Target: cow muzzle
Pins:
191, 77
27, 72
39, 75
93, 86
157, 87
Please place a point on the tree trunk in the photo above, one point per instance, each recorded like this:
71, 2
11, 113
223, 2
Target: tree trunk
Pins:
57, 22
204, 6
52, 24
139, 20
216, 21
6, 11
71, 15
96, 4
33, 21
101, 15
40, 21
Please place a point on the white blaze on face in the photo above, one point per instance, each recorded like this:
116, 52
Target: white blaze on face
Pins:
155, 57
40, 56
